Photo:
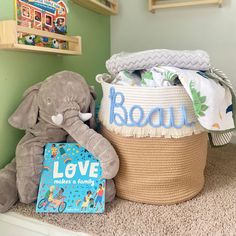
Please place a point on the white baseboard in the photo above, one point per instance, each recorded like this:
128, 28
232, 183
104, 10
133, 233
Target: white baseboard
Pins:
13, 224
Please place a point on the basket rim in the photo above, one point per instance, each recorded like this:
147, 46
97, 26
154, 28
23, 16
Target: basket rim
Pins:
178, 88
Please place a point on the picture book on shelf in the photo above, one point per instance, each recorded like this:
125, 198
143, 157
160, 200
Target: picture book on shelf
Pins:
46, 15
71, 181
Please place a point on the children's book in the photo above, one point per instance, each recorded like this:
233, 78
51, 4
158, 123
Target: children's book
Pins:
47, 15
71, 181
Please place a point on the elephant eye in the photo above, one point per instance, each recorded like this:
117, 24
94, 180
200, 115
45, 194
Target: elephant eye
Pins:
49, 101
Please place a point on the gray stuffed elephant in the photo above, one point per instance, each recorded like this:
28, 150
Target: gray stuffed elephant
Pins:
53, 111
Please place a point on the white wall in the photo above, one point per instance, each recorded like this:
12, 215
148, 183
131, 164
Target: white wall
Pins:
206, 27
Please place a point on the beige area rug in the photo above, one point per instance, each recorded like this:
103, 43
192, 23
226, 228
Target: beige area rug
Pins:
212, 212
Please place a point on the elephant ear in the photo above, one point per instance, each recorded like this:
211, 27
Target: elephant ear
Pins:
26, 115
92, 106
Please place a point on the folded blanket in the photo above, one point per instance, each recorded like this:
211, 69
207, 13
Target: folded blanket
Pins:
194, 60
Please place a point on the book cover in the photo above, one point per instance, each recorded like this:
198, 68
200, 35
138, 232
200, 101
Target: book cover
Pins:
71, 181
47, 15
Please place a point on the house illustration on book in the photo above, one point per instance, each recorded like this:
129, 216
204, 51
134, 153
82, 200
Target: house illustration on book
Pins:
49, 15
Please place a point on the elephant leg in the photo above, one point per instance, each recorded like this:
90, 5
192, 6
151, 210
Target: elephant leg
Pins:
8, 190
110, 190
29, 164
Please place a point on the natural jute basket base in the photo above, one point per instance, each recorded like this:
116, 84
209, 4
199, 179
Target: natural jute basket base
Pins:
159, 170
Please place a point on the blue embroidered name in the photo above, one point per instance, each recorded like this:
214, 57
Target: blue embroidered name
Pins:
121, 117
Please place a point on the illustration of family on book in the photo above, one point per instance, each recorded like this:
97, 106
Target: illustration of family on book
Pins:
58, 201
71, 181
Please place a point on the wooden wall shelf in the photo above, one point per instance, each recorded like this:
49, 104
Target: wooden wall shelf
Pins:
99, 6
9, 40
159, 4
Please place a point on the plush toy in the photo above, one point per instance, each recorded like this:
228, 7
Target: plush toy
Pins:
53, 111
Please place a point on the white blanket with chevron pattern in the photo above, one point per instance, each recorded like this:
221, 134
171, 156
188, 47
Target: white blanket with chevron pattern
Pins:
193, 60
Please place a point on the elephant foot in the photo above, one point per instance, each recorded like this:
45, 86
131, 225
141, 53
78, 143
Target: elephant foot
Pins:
110, 190
8, 190
8, 195
28, 189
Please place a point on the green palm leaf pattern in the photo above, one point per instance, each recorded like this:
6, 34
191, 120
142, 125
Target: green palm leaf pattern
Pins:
146, 75
198, 101
170, 76
127, 74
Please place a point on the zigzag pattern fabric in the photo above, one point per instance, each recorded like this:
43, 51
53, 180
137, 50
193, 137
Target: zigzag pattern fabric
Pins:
192, 60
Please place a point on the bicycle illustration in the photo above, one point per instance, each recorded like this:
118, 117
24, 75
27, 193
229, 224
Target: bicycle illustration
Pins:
60, 204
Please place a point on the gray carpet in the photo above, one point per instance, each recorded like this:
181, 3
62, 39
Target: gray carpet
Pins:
212, 212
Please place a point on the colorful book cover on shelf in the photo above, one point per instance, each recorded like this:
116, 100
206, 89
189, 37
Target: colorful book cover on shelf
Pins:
47, 15
71, 181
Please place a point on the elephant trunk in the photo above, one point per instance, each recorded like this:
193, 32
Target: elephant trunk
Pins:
94, 143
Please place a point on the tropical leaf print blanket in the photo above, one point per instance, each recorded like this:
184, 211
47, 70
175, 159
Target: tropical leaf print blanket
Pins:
212, 100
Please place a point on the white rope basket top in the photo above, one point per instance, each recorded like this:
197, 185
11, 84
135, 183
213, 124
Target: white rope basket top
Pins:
146, 111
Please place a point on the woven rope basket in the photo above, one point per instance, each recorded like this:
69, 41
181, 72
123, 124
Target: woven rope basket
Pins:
159, 170
158, 165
